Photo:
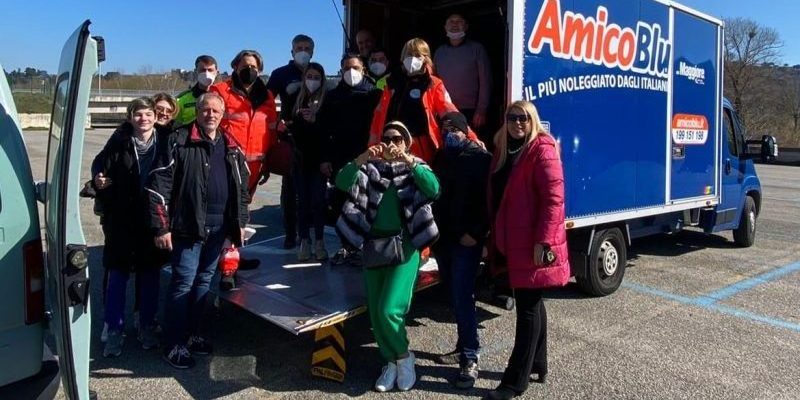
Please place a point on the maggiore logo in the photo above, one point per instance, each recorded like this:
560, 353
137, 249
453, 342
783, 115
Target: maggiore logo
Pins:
693, 73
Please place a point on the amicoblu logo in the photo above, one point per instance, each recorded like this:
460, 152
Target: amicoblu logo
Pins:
596, 40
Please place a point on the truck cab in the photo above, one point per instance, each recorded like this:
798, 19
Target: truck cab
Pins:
46, 290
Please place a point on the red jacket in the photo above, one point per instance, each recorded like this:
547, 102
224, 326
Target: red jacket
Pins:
532, 211
437, 103
255, 130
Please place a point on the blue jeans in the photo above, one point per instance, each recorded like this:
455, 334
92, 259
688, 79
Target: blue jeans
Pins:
310, 186
458, 268
116, 288
193, 267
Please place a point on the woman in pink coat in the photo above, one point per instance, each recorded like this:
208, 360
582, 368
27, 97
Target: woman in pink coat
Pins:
526, 205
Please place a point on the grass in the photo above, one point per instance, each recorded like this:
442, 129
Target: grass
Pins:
33, 103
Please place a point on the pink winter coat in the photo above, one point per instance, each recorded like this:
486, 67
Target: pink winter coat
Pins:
532, 211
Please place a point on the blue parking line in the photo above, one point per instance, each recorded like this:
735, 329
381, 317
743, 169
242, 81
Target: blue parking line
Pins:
709, 301
747, 284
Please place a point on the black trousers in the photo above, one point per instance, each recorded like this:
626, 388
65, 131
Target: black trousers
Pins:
289, 206
530, 341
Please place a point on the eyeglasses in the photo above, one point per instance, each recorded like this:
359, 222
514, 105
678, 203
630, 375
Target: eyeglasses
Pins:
392, 139
163, 110
521, 118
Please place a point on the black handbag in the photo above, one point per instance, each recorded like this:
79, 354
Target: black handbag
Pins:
383, 252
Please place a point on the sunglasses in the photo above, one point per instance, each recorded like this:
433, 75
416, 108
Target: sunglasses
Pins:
392, 139
517, 118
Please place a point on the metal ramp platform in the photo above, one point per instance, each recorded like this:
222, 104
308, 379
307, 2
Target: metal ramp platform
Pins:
303, 297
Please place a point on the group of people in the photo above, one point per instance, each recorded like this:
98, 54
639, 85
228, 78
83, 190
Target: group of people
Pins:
411, 177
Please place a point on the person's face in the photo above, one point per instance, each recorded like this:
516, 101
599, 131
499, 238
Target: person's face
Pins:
393, 139
365, 42
379, 57
455, 132
164, 112
210, 114
354, 64
303, 46
247, 62
143, 120
455, 24
518, 122
202, 67
313, 75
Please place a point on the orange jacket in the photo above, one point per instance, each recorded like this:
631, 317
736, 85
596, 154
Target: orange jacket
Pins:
437, 103
256, 130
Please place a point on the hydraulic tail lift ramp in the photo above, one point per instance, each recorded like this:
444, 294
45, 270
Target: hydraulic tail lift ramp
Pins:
306, 297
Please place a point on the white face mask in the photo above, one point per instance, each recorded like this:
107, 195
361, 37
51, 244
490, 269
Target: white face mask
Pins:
352, 77
412, 64
302, 58
456, 35
206, 78
312, 85
377, 68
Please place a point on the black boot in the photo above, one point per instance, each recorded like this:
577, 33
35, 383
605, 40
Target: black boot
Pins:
501, 393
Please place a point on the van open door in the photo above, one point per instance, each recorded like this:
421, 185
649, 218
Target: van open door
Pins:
67, 274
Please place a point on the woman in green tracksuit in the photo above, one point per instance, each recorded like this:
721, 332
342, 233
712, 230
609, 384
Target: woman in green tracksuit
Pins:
388, 215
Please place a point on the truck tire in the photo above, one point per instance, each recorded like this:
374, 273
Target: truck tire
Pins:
745, 234
606, 263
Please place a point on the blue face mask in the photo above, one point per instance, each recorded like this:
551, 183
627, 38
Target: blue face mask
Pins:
453, 141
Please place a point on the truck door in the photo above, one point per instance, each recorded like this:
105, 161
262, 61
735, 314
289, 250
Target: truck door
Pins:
67, 258
695, 105
732, 171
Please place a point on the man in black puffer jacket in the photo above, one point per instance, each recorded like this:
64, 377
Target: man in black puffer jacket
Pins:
198, 198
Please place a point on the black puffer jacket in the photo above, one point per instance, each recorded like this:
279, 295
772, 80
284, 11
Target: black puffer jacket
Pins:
178, 186
345, 119
129, 244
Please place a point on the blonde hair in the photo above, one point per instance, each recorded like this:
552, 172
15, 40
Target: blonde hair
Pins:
169, 99
535, 129
418, 46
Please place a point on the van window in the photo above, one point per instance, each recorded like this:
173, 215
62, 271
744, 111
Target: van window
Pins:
730, 133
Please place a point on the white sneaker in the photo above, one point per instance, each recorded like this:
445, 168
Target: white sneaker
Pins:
304, 251
406, 374
320, 253
388, 376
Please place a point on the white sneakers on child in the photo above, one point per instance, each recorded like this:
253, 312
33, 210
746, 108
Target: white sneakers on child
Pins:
387, 379
406, 374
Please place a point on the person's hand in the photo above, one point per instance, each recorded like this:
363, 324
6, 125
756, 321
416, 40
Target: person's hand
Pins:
326, 169
478, 119
371, 153
264, 176
467, 240
538, 251
305, 113
241, 235
395, 153
480, 143
164, 241
101, 182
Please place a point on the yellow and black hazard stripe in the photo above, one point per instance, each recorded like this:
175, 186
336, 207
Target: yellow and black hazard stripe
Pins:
328, 360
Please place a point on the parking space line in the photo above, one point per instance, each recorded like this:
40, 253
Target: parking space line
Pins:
747, 284
710, 303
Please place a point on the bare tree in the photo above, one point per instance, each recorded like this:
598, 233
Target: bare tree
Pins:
748, 45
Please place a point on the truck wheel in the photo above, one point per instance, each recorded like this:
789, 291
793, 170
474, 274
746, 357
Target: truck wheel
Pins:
606, 263
745, 234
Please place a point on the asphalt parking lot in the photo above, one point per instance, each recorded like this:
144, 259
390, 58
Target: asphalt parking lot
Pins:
696, 318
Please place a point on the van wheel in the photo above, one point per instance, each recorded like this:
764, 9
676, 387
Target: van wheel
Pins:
606, 263
745, 234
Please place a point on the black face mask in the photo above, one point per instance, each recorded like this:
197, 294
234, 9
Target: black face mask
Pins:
248, 75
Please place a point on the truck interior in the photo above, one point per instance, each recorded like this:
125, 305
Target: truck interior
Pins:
395, 21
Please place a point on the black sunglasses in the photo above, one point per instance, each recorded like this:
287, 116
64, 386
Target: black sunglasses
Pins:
517, 118
392, 139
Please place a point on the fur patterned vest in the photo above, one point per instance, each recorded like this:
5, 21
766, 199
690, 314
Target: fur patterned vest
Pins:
361, 208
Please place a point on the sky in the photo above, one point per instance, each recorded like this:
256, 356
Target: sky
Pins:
160, 35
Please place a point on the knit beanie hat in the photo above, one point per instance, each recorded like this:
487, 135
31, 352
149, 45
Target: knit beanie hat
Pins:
456, 120
400, 127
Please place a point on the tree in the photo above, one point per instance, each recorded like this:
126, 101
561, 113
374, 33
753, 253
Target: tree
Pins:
747, 46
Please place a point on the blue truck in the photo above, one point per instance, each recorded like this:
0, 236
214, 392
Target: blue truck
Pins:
632, 90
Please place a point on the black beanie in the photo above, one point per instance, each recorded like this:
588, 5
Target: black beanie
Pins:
457, 120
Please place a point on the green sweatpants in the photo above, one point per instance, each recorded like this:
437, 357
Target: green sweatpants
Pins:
389, 291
